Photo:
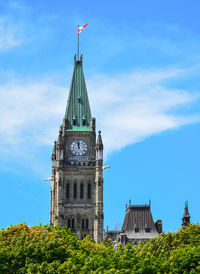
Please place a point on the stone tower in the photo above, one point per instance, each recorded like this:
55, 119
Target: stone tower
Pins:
77, 162
186, 215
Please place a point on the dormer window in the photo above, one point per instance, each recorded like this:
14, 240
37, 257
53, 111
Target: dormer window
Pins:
74, 121
147, 229
136, 228
84, 120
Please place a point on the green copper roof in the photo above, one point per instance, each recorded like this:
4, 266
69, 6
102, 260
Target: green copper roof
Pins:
78, 112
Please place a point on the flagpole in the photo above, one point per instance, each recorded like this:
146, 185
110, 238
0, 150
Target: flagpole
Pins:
78, 42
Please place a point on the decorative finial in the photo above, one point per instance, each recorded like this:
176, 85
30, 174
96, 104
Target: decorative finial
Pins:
149, 202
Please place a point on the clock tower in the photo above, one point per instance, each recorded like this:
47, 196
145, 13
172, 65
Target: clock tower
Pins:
77, 161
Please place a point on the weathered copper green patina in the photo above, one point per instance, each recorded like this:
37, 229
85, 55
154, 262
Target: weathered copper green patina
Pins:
78, 112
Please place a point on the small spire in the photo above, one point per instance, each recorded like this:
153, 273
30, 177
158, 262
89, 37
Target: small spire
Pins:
53, 156
186, 215
60, 134
99, 141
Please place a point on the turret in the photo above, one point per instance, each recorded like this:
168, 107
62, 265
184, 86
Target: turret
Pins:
99, 216
99, 147
186, 215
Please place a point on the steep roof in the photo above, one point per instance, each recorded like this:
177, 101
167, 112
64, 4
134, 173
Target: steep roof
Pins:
138, 222
78, 112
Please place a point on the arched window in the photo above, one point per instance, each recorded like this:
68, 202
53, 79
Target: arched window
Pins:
89, 191
86, 224
83, 224
81, 191
68, 223
67, 191
75, 190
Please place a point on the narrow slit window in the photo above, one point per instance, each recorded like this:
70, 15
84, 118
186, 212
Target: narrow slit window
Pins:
69, 223
89, 191
86, 224
74, 122
67, 191
83, 224
72, 223
75, 190
81, 191
84, 122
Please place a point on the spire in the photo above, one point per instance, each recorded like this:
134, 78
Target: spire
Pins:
99, 145
78, 112
186, 215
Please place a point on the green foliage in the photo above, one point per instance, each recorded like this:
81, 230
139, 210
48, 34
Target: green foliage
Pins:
45, 249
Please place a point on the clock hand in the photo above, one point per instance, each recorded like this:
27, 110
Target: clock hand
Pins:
78, 145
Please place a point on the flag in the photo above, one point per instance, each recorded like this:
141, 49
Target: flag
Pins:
81, 28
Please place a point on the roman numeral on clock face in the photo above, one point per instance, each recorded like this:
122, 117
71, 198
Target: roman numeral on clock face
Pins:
78, 147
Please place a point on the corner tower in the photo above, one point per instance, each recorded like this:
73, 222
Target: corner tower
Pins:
77, 161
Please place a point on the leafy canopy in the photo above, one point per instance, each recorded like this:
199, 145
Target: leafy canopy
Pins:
45, 249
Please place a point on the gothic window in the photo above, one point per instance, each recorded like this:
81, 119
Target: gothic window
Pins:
81, 191
83, 224
68, 223
67, 191
84, 122
86, 224
75, 190
89, 191
74, 121
72, 223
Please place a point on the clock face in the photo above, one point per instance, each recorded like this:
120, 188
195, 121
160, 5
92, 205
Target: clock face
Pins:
78, 147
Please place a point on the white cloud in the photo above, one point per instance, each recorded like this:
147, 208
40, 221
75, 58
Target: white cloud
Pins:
128, 109
10, 34
135, 106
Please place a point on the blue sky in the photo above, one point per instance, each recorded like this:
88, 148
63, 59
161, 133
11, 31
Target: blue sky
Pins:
141, 64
